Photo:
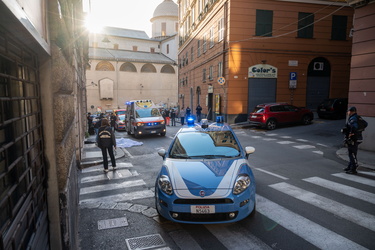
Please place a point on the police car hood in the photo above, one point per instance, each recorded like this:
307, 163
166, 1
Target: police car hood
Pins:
214, 178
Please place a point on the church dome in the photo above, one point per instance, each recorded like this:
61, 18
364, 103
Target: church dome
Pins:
166, 8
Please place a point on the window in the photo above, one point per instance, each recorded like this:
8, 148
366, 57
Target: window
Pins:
192, 53
135, 48
152, 50
104, 66
212, 38
187, 58
204, 75
264, 19
211, 73
167, 48
305, 25
115, 46
204, 43
163, 29
148, 68
220, 30
220, 69
168, 69
339, 24
128, 67
199, 48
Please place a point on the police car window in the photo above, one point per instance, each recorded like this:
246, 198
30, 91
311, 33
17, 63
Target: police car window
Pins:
199, 145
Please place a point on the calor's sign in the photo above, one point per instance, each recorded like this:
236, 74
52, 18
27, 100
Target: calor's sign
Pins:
262, 71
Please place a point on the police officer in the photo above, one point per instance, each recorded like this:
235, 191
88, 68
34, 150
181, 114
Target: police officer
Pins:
353, 138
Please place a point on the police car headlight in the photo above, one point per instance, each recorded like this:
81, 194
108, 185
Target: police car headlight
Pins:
241, 184
165, 184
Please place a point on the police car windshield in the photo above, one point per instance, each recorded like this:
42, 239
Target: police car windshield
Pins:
205, 145
147, 112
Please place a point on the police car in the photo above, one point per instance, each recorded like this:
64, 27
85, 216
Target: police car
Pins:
205, 177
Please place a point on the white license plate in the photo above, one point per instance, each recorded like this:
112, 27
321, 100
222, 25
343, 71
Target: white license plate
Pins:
202, 209
153, 131
253, 116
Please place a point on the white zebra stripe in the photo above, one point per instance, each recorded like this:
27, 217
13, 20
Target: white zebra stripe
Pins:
118, 174
356, 178
106, 187
344, 189
120, 197
351, 214
317, 235
270, 173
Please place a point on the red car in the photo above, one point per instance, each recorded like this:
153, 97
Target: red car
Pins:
270, 115
120, 124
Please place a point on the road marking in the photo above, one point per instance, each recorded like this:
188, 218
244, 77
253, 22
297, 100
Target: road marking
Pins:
110, 175
285, 142
356, 178
304, 146
127, 153
100, 168
271, 134
323, 145
351, 214
256, 136
318, 152
302, 140
317, 235
233, 238
269, 139
270, 173
285, 137
106, 187
344, 189
120, 197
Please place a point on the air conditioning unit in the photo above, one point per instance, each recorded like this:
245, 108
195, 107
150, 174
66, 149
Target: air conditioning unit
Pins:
318, 66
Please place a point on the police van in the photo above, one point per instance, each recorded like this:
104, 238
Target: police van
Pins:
143, 118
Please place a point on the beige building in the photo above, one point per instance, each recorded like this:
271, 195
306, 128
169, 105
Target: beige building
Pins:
127, 64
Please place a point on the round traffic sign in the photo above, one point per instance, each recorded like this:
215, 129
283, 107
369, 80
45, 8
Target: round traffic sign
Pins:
221, 80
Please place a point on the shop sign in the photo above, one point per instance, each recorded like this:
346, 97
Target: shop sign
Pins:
262, 71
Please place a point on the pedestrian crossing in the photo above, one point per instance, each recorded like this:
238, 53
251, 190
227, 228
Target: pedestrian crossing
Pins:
326, 195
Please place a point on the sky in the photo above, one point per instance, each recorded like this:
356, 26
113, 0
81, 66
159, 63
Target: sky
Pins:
130, 14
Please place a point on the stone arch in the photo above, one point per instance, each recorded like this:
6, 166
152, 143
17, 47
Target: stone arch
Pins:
148, 68
104, 66
167, 69
128, 67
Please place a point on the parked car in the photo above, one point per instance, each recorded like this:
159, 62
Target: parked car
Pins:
120, 123
205, 177
334, 108
271, 115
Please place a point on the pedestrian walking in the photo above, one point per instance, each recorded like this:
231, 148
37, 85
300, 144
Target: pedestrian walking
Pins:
353, 137
188, 112
107, 142
167, 118
182, 115
173, 117
113, 118
198, 111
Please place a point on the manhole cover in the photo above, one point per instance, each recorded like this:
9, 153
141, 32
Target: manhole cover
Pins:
145, 242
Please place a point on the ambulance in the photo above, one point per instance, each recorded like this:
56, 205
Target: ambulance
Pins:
143, 118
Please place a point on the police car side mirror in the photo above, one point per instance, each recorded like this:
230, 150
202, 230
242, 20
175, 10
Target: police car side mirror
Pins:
249, 150
162, 152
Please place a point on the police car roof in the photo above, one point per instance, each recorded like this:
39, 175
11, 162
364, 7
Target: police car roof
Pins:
211, 127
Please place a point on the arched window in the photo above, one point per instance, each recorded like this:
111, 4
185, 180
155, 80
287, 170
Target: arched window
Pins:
149, 68
128, 67
104, 66
167, 69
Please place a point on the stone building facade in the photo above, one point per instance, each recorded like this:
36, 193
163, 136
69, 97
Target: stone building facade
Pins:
43, 54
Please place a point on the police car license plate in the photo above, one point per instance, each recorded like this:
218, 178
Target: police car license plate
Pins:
205, 209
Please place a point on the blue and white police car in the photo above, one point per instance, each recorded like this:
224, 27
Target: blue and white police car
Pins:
205, 177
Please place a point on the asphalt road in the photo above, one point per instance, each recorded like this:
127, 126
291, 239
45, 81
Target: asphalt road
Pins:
304, 200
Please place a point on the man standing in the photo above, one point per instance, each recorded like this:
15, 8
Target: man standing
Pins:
173, 117
353, 137
198, 112
113, 121
107, 142
182, 114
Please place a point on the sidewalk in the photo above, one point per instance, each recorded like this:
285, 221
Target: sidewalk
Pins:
92, 155
366, 159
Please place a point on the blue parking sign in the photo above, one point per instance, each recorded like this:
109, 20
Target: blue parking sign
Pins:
293, 76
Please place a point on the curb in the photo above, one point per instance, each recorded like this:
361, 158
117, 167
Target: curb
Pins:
342, 153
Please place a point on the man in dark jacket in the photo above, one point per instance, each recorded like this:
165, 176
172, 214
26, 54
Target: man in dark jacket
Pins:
353, 138
106, 142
